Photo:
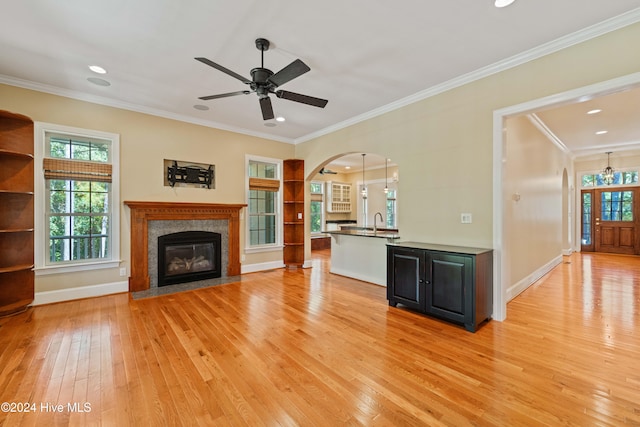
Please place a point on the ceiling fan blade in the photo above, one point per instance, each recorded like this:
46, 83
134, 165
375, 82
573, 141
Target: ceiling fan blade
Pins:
305, 99
267, 109
288, 73
224, 70
225, 95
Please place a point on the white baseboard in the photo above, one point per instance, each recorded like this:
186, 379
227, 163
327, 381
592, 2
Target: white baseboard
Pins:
252, 268
514, 290
49, 297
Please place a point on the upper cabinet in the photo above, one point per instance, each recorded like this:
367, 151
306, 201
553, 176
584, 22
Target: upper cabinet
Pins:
339, 197
16, 213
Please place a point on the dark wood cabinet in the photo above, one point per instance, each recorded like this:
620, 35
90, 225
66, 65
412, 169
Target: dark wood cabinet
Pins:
406, 278
293, 198
16, 213
449, 282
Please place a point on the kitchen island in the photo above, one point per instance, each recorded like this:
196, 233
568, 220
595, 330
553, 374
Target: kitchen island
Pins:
361, 253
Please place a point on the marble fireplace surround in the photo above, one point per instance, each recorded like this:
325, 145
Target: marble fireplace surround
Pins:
143, 212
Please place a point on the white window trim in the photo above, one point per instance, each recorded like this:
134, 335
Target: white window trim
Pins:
278, 245
323, 211
40, 200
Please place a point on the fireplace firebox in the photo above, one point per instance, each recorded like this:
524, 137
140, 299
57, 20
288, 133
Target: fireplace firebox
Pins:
189, 256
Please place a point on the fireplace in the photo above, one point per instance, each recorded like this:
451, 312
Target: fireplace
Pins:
145, 214
188, 256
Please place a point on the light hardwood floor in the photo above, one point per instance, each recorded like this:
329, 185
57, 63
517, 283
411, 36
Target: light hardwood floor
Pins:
306, 347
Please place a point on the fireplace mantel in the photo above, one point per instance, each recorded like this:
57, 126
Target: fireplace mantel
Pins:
143, 212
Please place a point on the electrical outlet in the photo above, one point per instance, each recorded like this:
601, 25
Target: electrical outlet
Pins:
242, 258
123, 271
299, 215
466, 218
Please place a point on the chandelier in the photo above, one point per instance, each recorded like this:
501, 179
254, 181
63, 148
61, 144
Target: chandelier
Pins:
607, 173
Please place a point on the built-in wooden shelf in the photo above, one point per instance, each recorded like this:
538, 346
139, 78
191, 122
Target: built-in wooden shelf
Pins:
293, 197
14, 268
16, 213
17, 193
4, 152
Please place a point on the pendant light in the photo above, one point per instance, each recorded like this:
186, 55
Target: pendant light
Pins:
607, 173
364, 186
386, 185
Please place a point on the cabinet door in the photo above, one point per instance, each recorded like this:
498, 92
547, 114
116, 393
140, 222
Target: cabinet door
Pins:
449, 279
405, 278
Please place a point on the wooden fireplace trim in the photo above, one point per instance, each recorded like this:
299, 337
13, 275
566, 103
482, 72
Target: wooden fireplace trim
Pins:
143, 212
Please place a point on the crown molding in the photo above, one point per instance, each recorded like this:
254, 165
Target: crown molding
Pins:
569, 40
100, 100
548, 133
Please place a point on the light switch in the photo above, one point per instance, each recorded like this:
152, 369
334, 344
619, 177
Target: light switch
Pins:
466, 218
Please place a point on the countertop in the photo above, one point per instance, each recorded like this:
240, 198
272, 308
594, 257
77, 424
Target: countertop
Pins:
440, 248
366, 233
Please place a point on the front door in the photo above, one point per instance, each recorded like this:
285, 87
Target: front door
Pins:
611, 220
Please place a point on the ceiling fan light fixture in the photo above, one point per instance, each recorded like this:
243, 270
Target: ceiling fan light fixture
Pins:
265, 82
503, 3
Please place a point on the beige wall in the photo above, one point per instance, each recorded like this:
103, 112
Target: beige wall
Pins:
533, 191
443, 145
145, 141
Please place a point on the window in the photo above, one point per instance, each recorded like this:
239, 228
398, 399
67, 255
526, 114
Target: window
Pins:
616, 205
586, 218
77, 196
263, 202
317, 206
391, 208
619, 178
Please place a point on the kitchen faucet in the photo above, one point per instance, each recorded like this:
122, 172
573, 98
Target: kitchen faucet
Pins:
375, 226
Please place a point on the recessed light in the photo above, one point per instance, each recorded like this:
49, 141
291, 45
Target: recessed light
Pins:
347, 167
97, 69
99, 82
270, 125
280, 119
602, 132
503, 3
596, 111
201, 107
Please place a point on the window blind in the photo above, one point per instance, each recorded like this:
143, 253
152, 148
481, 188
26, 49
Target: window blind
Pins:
76, 170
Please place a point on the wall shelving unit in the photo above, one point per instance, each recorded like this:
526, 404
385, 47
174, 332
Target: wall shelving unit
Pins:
293, 198
16, 213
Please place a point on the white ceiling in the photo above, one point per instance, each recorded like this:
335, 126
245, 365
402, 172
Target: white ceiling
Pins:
365, 57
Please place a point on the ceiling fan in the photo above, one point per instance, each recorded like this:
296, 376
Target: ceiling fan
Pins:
325, 171
264, 81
